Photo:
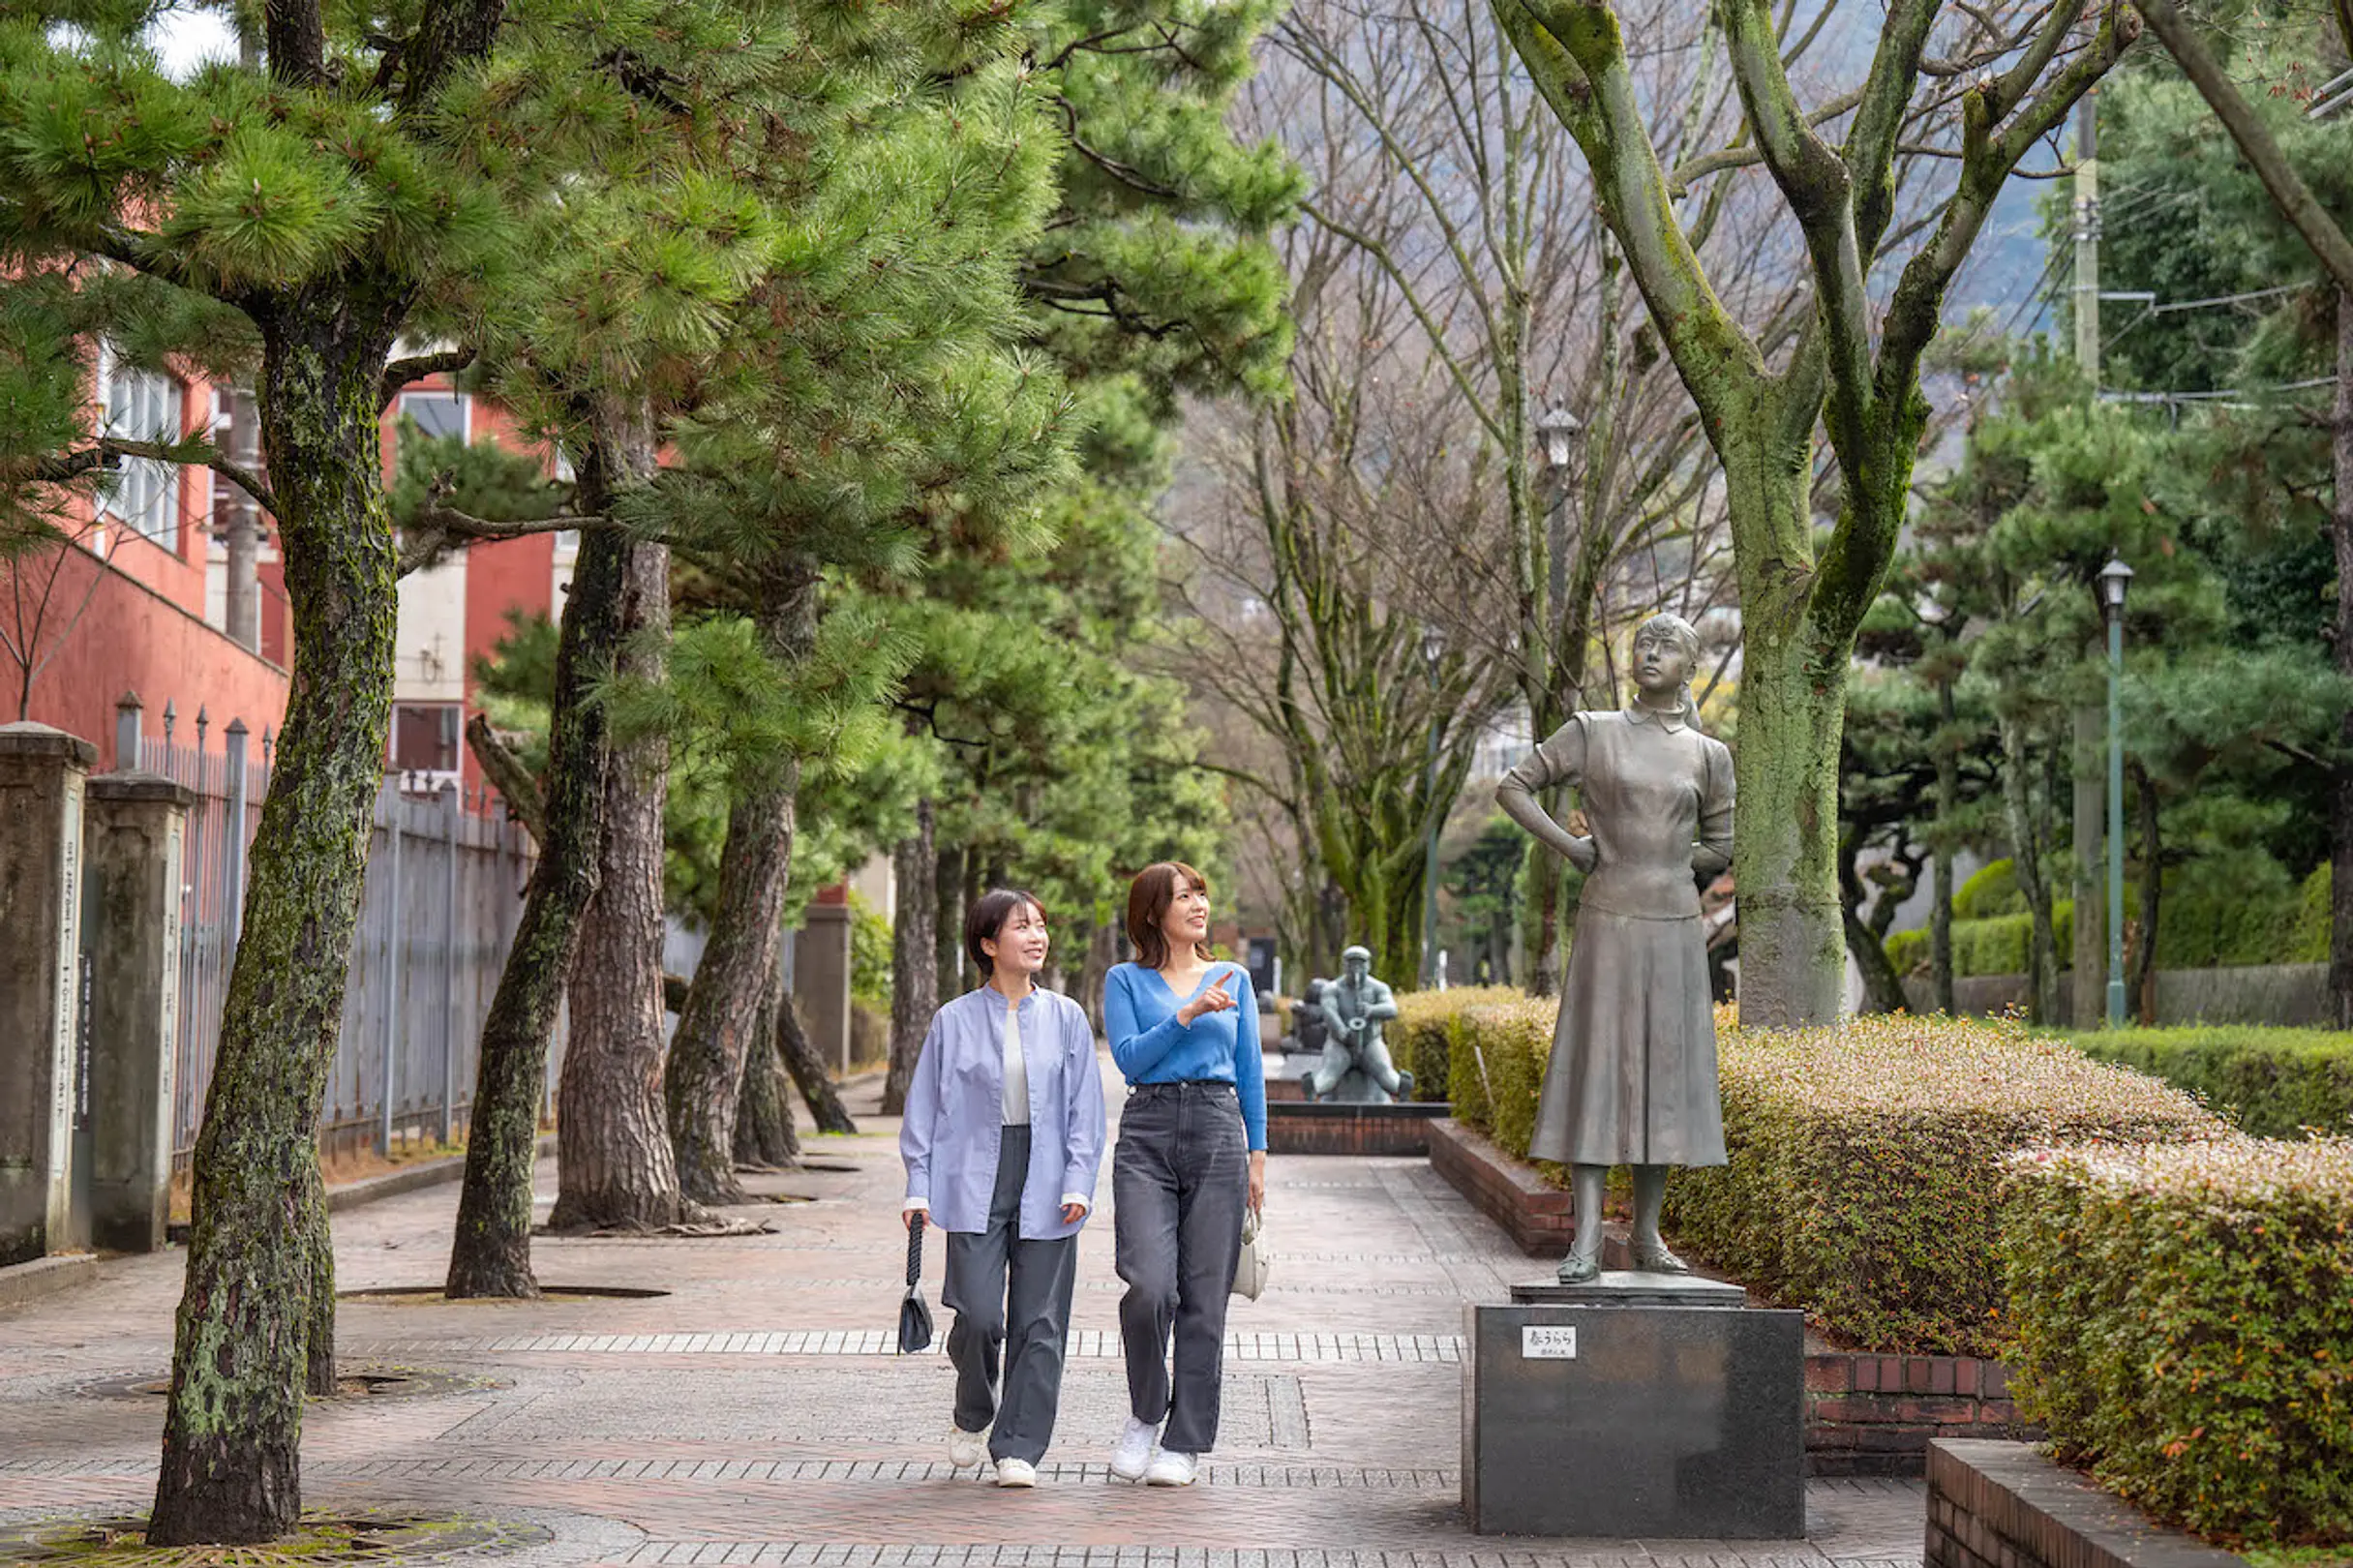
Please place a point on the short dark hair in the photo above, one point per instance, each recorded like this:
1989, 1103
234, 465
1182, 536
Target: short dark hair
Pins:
987, 918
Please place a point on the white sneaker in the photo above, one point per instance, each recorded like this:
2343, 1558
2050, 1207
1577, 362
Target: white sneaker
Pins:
1133, 1456
966, 1449
1014, 1472
1173, 1470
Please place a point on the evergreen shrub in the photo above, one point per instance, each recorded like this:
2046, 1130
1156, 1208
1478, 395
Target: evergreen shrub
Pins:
1866, 1164
2182, 1323
2273, 1083
1422, 1039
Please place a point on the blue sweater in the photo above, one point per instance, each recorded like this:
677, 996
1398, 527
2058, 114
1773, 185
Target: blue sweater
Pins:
1150, 1045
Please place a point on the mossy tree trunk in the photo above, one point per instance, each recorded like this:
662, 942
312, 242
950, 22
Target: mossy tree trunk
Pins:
613, 1165
948, 922
720, 1020
914, 975
2340, 810
491, 1252
256, 1316
1801, 601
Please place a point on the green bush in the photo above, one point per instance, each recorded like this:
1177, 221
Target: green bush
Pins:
1422, 1039
869, 954
1867, 1159
2273, 1083
2182, 1324
2205, 921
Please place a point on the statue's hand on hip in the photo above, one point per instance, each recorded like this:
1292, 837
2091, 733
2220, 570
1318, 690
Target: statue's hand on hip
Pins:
1583, 853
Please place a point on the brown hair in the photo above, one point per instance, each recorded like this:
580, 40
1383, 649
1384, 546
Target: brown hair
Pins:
987, 918
1148, 896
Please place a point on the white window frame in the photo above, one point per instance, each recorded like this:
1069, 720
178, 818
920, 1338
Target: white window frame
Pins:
465, 410
136, 404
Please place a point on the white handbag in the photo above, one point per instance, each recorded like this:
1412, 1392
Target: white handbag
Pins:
1249, 1272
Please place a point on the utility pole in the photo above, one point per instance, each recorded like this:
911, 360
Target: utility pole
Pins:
239, 517
2086, 995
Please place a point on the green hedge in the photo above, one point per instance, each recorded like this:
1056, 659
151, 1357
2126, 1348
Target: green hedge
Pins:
1867, 1162
2182, 1322
1421, 1039
2200, 926
2273, 1083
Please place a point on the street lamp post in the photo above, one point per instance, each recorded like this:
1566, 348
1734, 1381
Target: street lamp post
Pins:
1433, 648
2114, 578
1557, 429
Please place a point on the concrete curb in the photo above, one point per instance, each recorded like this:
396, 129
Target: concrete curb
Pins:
427, 1173
21, 1282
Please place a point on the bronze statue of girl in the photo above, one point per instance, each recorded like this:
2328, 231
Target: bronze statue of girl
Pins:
1633, 1076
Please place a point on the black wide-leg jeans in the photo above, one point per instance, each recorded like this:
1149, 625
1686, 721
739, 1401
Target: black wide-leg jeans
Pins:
1180, 1182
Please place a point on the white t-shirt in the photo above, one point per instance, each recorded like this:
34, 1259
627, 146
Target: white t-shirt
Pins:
1017, 1106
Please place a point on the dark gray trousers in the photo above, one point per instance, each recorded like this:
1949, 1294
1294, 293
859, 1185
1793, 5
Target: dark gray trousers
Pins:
1180, 1179
1011, 1299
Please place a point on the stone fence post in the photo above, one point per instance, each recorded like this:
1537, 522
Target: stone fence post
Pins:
41, 773
138, 825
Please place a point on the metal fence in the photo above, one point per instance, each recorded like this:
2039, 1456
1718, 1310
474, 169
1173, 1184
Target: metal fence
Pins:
438, 914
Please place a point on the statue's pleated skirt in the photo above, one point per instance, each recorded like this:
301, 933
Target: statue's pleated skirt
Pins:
1633, 1074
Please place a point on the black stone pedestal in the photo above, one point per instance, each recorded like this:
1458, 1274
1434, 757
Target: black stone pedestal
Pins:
1639, 1404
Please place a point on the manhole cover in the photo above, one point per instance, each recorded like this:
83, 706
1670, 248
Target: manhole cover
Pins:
354, 1380
120, 1541
432, 1296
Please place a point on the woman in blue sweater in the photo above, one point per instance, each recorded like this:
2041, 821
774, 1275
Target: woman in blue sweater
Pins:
1191, 1159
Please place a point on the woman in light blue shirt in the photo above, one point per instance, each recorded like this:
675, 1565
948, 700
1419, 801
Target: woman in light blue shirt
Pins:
1002, 1137
1191, 1157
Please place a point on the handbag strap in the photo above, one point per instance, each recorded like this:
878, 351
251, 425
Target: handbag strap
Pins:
914, 1247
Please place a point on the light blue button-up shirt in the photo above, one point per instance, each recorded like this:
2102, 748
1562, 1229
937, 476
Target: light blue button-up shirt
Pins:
954, 1122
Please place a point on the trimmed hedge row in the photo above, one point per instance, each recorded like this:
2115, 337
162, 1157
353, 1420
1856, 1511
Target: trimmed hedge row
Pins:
1422, 1039
2273, 1083
2198, 928
2182, 1322
1867, 1163
1866, 1160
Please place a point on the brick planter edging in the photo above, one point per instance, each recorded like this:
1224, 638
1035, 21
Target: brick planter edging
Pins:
1867, 1414
1327, 1127
2005, 1505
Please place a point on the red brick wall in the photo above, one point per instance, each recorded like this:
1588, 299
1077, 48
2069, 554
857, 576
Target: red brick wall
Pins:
130, 638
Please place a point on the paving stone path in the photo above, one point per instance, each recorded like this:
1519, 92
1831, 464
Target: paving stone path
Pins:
754, 1414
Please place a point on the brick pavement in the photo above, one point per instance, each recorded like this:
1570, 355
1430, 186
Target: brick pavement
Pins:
754, 1416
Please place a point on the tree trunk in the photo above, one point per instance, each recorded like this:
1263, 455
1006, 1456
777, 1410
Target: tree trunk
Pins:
256, 1297
765, 1135
947, 917
1785, 829
2340, 812
720, 1018
1940, 906
915, 957
2153, 881
809, 1076
1544, 888
2087, 995
1102, 951
1883, 988
613, 1165
318, 1358
2026, 859
491, 1252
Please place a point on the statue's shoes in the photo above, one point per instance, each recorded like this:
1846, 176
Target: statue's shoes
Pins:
1659, 1260
1578, 1269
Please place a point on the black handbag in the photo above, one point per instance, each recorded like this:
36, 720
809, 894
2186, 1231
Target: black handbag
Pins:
915, 1316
